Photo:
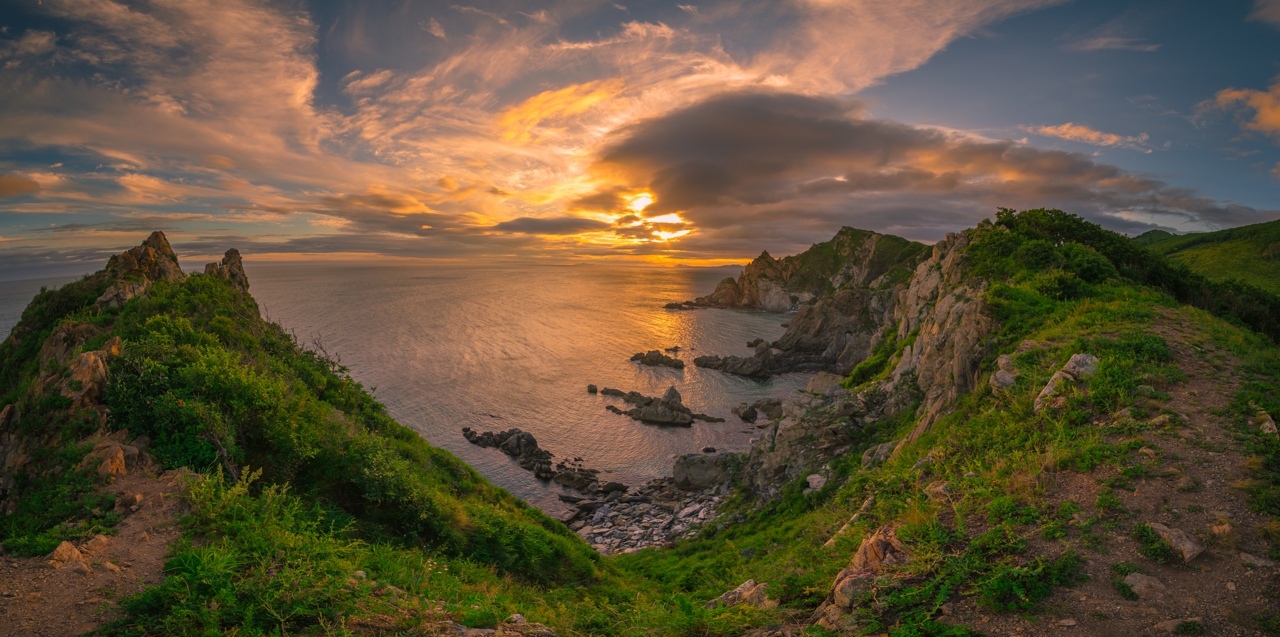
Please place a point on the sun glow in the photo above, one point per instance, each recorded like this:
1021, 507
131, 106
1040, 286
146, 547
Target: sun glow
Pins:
667, 236
670, 217
641, 201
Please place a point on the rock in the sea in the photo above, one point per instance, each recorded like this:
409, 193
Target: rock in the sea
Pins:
1179, 540
655, 358
668, 410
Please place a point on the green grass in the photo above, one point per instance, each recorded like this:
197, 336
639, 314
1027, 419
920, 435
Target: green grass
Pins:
334, 486
1248, 253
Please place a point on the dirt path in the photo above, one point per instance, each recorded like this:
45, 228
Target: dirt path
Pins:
39, 598
1196, 464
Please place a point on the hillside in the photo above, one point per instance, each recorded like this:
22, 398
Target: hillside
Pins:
1039, 425
1248, 253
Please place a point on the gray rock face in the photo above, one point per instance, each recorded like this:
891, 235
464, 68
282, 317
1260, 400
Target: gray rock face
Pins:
694, 472
133, 271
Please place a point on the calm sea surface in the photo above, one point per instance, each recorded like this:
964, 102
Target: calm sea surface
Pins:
492, 348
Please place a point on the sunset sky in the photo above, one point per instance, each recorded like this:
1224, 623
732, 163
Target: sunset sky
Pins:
696, 132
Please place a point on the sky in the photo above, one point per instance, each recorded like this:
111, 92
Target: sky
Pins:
697, 132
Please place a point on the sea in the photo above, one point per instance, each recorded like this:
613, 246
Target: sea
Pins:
496, 347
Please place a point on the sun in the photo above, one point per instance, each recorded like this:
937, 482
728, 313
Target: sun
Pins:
641, 201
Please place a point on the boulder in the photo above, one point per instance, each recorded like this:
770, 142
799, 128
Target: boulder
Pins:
1179, 540
64, 341
824, 384
750, 592
65, 554
111, 459
1145, 586
879, 550
1265, 423
746, 412
1255, 561
1002, 379
1081, 366
815, 481
695, 472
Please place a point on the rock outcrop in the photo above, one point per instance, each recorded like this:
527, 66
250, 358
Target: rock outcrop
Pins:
668, 410
230, 268
879, 551
523, 447
134, 271
654, 358
853, 258
1078, 368
695, 472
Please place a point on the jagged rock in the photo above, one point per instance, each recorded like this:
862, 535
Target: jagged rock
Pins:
1145, 586
1181, 542
134, 271
230, 268
668, 410
64, 341
66, 553
110, 457
85, 380
655, 358
824, 383
1080, 367
522, 446
878, 454
879, 550
749, 592
694, 472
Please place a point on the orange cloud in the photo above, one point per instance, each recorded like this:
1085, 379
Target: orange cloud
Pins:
518, 122
1074, 132
1265, 106
16, 186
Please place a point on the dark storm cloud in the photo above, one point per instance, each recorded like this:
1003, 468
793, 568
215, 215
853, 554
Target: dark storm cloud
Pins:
550, 225
779, 162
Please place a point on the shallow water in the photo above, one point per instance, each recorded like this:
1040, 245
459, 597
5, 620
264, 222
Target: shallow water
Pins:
447, 347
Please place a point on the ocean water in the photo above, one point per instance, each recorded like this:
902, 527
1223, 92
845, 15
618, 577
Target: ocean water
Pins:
447, 347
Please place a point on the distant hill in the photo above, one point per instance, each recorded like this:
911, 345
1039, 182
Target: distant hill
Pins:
1248, 253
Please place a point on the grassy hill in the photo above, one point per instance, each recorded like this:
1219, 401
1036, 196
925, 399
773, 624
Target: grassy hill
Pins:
1248, 253
1012, 516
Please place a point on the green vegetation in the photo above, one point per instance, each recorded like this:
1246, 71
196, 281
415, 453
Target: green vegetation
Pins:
894, 258
1249, 253
302, 482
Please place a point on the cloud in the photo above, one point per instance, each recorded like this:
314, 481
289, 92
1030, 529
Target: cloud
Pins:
1114, 35
17, 186
1083, 133
1260, 110
551, 225
1112, 43
783, 166
1266, 11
